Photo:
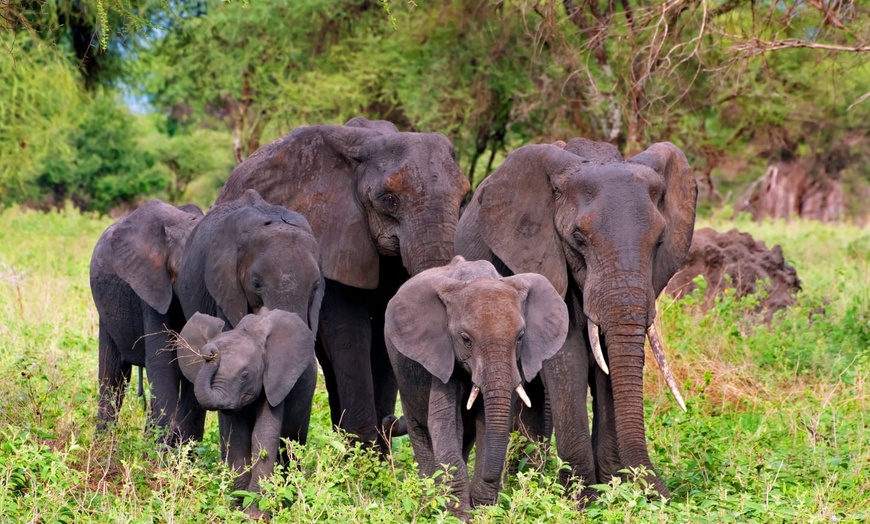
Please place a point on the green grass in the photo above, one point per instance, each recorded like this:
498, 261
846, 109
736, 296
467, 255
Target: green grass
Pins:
776, 428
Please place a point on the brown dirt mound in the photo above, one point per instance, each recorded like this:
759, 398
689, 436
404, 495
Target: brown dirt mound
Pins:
745, 260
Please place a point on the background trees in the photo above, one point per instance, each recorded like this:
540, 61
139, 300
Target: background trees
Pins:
742, 86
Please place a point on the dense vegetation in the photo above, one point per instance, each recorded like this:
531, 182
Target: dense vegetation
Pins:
737, 84
776, 428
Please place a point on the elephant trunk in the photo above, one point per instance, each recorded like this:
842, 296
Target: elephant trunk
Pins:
625, 348
498, 385
428, 244
208, 397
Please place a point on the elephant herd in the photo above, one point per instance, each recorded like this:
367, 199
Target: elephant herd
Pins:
344, 246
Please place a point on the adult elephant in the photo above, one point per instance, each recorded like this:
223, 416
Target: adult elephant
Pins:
133, 282
384, 205
608, 233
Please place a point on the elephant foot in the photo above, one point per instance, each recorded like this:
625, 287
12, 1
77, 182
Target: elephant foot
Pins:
586, 496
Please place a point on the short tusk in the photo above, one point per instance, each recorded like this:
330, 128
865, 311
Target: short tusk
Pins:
596, 346
522, 393
471, 398
658, 352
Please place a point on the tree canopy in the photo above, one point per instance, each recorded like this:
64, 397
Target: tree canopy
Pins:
739, 85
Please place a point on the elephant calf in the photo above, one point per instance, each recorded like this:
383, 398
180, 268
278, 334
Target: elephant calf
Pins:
459, 331
261, 376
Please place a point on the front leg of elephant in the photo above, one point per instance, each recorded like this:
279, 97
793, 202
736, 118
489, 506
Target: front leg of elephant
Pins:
566, 377
344, 349
165, 378
446, 433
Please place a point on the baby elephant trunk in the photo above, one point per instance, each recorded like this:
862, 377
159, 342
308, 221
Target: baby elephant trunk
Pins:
206, 394
500, 378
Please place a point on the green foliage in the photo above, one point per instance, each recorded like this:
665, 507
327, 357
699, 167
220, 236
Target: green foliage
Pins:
775, 429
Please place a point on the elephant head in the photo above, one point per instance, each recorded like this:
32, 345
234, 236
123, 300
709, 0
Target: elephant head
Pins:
465, 316
266, 352
253, 254
615, 230
367, 190
147, 247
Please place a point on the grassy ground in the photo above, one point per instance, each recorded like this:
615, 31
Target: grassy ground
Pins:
776, 428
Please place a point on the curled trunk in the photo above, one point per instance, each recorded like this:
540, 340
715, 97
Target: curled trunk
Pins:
207, 396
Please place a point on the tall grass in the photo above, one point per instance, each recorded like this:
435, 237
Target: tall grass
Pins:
776, 428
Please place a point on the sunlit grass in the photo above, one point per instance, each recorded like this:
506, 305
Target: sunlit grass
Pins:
776, 428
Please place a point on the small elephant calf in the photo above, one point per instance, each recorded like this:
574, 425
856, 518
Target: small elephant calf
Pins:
459, 331
260, 376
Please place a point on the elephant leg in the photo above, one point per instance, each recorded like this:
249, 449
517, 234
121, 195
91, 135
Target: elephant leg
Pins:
566, 377
192, 425
533, 423
328, 378
114, 375
236, 429
421, 442
345, 333
607, 462
386, 389
297, 410
264, 441
446, 432
164, 376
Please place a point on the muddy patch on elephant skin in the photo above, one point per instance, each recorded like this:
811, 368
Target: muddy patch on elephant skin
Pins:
742, 259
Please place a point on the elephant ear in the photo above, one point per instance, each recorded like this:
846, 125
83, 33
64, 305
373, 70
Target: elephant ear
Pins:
517, 206
679, 200
222, 278
289, 350
141, 247
416, 321
598, 152
546, 321
314, 305
313, 171
197, 332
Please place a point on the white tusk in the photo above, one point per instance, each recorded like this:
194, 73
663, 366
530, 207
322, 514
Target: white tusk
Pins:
522, 393
471, 398
596, 346
658, 352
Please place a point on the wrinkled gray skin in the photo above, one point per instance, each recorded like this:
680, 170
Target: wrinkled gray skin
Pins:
247, 254
608, 234
453, 327
383, 204
261, 376
132, 275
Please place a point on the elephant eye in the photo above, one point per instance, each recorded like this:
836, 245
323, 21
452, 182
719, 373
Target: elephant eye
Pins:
245, 376
579, 238
520, 337
465, 338
389, 200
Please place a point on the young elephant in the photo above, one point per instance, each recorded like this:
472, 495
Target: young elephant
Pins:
261, 376
457, 331
132, 275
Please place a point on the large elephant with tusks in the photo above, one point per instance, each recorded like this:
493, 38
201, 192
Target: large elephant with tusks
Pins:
608, 233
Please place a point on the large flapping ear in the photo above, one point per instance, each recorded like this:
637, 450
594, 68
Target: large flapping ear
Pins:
198, 331
681, 194
517, 206
313, 171
221, 274
141, 250
546, 321
416, 322
289, 350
